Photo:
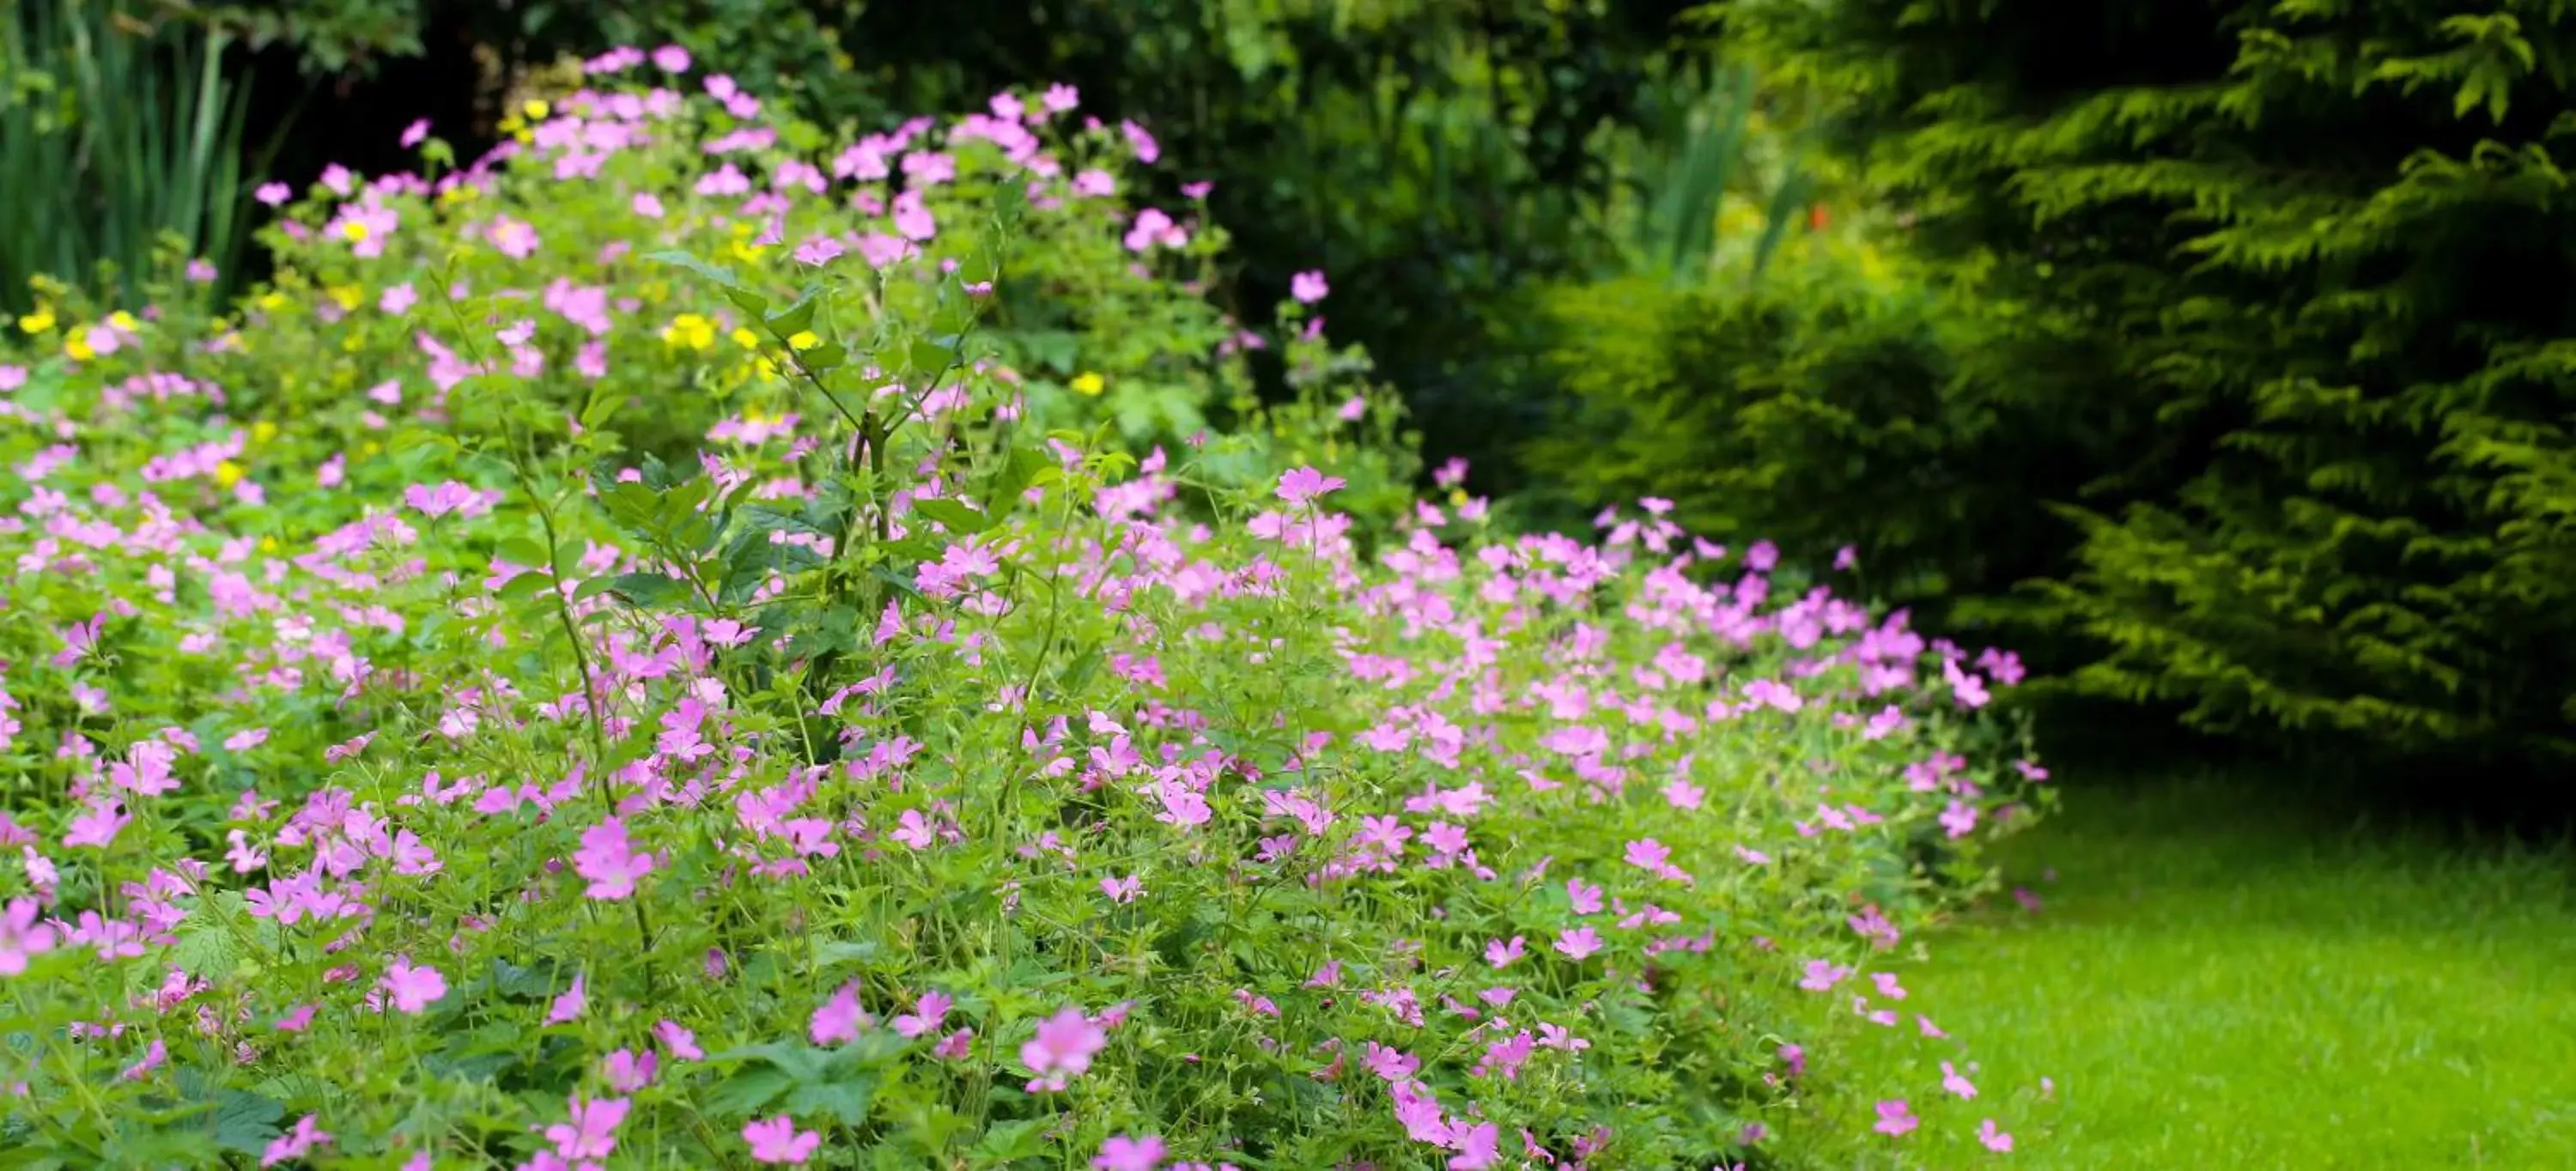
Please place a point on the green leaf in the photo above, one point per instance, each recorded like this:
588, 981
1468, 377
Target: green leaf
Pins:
797, 317
651, 591
956, 517
834, 952
746, 1093
245, 1121
846, 1098
1010, 203
926, 359
803, 1063
1020, 1138
752, 557
1023, 465
825, 357
720, 275
748, 301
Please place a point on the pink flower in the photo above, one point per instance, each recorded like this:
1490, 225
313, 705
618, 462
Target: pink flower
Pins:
926, 1016
441, 499
1299, 485
1121, 1153
413, 988
296, 1143
1308, 287
414, 134
1822, 975
839, 1020
682, 1043
647, 205
1895, 1118
777, 1140
273, 194
22, 936
1993, 1137
627, 1071
609, 861
97, 825
1122, 890
1955, 1083
516, 240
1146, 149
1649, 854
820, 250
1577, 943
568, 1007
592, 1131
1064, 1046
912, 217
671, 59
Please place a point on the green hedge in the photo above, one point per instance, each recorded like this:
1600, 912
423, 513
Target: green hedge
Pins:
2270, 302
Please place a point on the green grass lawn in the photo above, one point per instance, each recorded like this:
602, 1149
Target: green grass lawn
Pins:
2214, 981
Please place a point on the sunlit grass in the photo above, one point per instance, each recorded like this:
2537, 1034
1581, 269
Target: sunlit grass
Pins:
2219, 981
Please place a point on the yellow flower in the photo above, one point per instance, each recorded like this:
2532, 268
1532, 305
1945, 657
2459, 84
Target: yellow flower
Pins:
744, 251
272, 302
371, 448
227, 474
536, 107
1457, 498
690, 331
511, 124
746, 339
804, 339
124, 321
347, 295
268, 544
38, 321
263, 431
1089, 383
768, 369
525, 136
77, 345
353, 231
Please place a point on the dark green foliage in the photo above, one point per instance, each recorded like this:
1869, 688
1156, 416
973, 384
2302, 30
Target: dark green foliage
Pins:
121, 138
1817, 407
1436, 158
2279, 295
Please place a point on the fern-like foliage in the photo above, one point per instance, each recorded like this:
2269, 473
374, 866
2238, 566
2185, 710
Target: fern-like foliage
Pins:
2308, 268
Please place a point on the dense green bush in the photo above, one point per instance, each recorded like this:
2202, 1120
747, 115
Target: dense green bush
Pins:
2272, 301
924, 770
1438, 158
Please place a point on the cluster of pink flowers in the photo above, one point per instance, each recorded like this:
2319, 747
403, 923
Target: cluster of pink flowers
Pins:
1510, 766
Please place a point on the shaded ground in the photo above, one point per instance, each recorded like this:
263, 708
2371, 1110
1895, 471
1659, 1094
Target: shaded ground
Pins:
2218, 981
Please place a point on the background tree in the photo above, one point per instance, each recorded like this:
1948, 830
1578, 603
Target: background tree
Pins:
2274, 306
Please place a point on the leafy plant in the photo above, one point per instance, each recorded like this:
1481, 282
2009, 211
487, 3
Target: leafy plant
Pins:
121, 136
940, 776
2305, 456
